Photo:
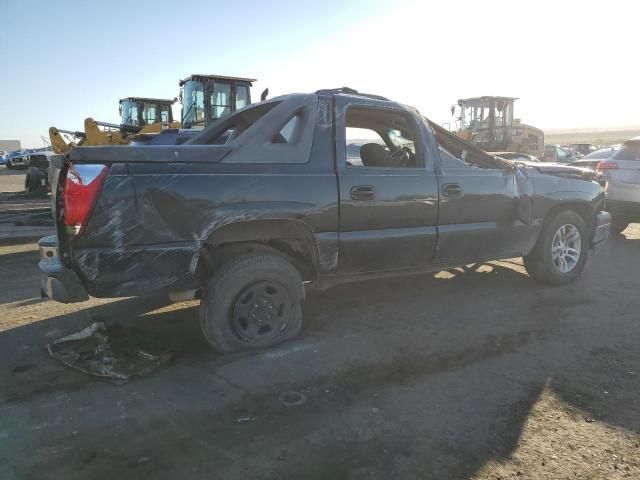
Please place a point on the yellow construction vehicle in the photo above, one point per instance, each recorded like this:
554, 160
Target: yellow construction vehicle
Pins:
204, 98
489, 123
138, 115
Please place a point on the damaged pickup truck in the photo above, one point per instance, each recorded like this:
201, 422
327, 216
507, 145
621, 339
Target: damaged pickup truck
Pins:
304, 189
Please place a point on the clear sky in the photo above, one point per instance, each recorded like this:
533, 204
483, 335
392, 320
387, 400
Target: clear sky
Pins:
572, 63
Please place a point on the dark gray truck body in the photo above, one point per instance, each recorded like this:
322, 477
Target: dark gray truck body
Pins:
165, 211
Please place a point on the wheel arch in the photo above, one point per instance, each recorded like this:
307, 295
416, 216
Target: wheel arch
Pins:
290, 238
582, 208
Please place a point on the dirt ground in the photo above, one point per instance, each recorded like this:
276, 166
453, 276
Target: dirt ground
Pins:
12, 180
481, 375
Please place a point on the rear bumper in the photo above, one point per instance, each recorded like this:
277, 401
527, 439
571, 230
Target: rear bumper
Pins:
625, 209
602, 228
58, 282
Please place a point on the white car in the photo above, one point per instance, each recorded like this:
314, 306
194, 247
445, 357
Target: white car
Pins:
622, 174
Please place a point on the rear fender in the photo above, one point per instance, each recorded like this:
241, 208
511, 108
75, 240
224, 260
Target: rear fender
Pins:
291, 237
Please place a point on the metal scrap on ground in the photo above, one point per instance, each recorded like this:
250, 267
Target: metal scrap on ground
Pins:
107, 352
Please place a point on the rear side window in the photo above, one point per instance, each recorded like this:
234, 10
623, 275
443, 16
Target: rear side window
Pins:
284, 135
233, 125
289, 132
628, 152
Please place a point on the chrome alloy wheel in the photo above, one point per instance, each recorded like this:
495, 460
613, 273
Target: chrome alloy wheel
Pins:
566, 248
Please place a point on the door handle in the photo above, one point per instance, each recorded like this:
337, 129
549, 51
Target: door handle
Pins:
451, 190
363, 192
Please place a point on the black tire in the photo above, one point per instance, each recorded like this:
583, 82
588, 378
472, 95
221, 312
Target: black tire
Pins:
32, 181
9, 166
619, 224
540, 264
252, 301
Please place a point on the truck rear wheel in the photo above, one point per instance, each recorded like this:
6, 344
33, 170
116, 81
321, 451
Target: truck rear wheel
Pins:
561, 251
253, 301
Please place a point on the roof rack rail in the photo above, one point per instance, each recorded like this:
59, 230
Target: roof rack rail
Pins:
349, 91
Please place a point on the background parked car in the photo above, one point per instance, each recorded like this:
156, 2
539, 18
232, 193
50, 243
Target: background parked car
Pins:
591, 161
521, 157
622, 174
17, 162
557, 154
584, 148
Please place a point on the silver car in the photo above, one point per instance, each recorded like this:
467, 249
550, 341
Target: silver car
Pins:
622, 174
592, 160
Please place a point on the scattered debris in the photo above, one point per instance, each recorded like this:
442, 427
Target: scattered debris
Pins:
244, 419
106, 352
292, 399
589, 420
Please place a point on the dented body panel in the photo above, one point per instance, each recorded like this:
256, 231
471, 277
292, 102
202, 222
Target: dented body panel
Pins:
163, 209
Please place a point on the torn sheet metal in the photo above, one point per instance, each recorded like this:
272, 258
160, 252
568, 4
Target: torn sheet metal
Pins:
107, 352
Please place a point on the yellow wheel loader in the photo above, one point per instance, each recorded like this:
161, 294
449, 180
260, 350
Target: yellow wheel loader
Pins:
138, 115
204, 98
488, 123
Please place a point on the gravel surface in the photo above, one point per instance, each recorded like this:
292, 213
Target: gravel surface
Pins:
482, 375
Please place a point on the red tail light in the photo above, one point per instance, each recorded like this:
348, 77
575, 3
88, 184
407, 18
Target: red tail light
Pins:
606, 165
81, 189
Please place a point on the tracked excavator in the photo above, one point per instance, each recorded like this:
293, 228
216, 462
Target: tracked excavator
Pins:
489, 123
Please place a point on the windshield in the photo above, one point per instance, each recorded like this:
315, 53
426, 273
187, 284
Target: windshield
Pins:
475, 114
193, 103
130, 113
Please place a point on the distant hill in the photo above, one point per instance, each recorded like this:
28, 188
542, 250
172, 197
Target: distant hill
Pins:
595, 136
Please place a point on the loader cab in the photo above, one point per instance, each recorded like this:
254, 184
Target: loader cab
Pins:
139, 111
486, 121
207, 98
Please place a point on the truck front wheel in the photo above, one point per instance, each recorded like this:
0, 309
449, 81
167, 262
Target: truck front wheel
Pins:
252, 301
561, 251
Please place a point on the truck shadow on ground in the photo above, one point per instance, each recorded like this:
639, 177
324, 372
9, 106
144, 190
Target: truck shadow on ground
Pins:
429, 376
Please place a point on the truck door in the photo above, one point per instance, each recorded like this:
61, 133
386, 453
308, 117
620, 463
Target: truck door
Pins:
479, 216
388, 188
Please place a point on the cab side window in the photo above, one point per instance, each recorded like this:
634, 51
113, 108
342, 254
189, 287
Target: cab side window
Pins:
379, 138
